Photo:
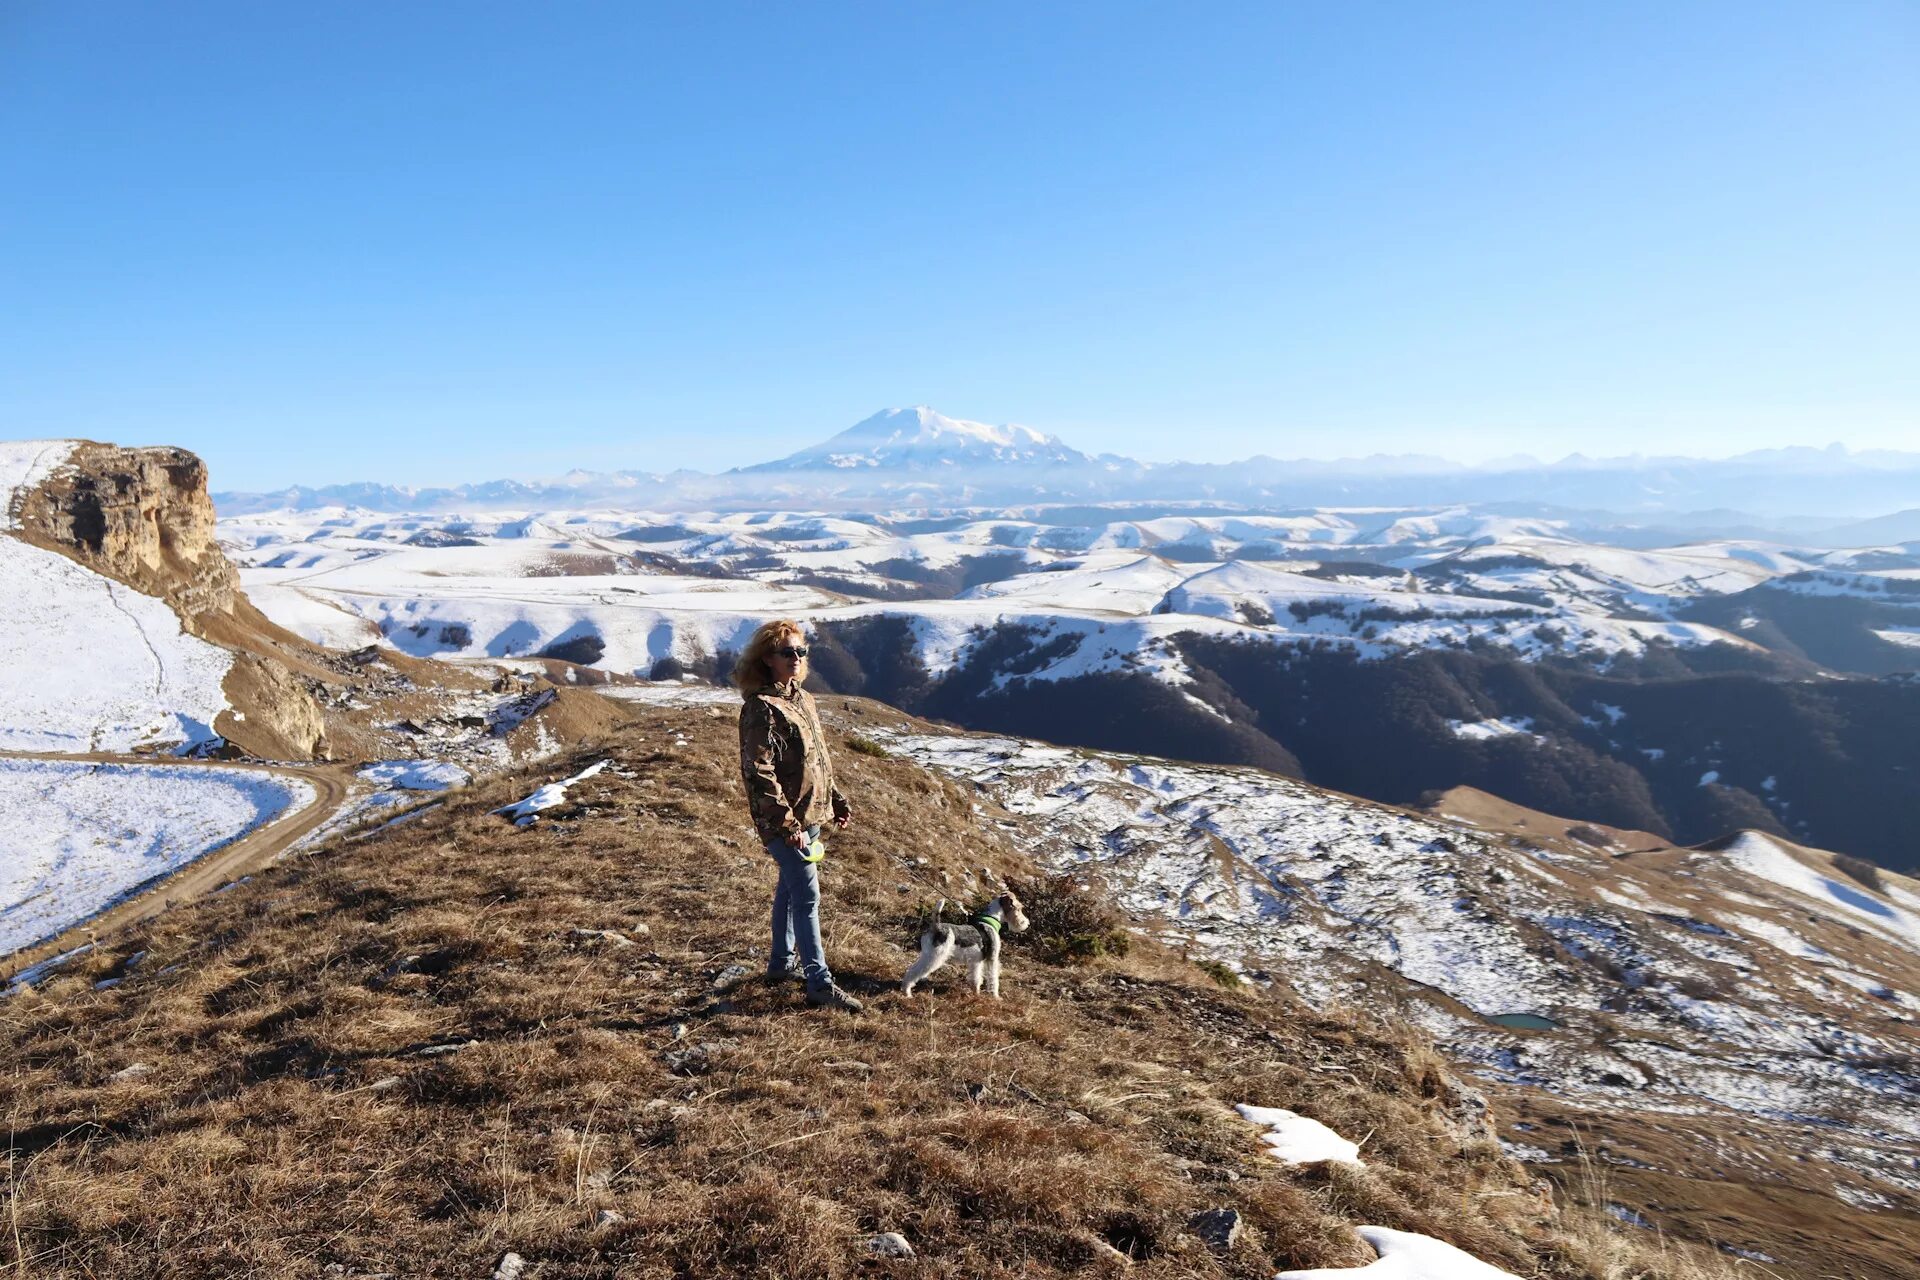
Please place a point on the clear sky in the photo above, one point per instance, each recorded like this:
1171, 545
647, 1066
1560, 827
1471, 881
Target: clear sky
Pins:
430, 243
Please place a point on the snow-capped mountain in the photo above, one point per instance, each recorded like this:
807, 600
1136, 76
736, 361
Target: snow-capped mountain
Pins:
919, 439
921, 458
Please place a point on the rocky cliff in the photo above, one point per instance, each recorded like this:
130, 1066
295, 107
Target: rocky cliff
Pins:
139, 516
139, 521
142, 517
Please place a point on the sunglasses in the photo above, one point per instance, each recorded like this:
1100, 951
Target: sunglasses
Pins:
791, 651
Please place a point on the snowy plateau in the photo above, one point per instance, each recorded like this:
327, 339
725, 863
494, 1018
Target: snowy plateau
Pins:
1269, 639
632, 590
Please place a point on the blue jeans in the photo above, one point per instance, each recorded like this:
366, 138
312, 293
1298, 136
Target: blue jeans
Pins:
796, 914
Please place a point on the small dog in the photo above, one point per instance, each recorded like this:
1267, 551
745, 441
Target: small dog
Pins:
976, 943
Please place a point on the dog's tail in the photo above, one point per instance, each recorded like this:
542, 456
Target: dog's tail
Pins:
930, 920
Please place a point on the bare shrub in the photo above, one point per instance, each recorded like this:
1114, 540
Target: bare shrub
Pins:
1859, 869
1073, 921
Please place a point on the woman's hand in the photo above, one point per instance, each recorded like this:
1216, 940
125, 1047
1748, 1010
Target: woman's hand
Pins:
798, 839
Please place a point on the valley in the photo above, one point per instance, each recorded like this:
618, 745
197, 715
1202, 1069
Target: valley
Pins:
1520, 655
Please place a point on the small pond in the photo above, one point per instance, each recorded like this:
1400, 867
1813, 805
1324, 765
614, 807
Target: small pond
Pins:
1522, 1021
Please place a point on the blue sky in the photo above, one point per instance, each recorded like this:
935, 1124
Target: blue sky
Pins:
425, 243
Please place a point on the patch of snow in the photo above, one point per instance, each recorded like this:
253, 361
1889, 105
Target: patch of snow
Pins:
1297, 1139
1731, 1022
82, 836
1710, 777
1405, 1255
24, 465
34, 974
313, 617
415, 775
1630, 894
672, 695
1751, 1255
526, 812
1872, 986
144, 680
1527, 1153
1860, 1198
405, 818
1777, 936
1760, 856
1481, 730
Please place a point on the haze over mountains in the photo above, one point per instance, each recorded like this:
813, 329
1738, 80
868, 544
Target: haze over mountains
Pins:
920, 458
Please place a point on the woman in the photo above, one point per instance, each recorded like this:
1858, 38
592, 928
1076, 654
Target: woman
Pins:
789, 777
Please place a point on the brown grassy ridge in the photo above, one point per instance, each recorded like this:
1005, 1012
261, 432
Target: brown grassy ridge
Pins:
267, 1094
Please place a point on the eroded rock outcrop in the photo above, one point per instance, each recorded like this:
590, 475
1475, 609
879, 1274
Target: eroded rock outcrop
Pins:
142, 516
139, 516
275, 714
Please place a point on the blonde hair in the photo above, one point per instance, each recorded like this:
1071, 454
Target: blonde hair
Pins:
750, 671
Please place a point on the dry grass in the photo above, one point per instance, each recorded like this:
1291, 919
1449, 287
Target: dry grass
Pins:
265, 1094
1598, 1243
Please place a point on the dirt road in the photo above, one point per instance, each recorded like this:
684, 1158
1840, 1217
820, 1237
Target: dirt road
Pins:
250, 852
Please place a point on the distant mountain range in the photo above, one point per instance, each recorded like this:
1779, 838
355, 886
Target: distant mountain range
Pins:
907, 458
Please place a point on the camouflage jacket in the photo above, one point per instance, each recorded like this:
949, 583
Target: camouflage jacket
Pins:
784, 762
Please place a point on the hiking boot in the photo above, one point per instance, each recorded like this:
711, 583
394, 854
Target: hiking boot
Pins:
832, 997
789, 974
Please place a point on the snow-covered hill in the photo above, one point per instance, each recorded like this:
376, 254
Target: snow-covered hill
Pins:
145, 681
1299, 642
90, 663
652, 587
1756, 989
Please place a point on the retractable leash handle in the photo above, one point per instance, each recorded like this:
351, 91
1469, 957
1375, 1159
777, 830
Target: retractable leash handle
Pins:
814, 851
